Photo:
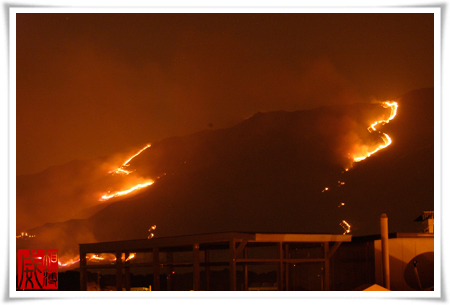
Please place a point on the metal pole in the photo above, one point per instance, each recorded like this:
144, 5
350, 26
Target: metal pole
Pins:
156, 270
280, 266
127, 272
83, 271
245, 270
196, 250
286, 251
326, 279
171, 271
119, 271
232, 265
385, 251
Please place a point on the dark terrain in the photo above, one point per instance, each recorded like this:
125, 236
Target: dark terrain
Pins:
265, 174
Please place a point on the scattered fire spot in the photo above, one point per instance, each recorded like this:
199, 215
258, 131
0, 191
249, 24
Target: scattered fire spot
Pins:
345, 226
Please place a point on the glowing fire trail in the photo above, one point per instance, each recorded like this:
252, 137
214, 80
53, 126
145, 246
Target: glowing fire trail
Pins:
69, 263
131, 256
126, 162
121, 193
345, 225
121, 169
94, 258
386, 139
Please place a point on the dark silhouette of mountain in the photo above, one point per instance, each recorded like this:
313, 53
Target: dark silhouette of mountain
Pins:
267, 174
61, 192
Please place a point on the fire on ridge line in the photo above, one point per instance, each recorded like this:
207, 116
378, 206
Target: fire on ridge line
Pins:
122, 171
386, 139
346, 226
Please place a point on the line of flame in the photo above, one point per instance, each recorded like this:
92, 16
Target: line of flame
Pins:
121, 170
126, 162
346, 226
121, 193
69, 263
386, 139
94, 257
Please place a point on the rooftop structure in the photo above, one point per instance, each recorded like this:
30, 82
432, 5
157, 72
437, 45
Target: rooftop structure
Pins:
427, 219
232, 250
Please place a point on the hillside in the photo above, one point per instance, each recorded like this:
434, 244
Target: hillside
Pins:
265, 174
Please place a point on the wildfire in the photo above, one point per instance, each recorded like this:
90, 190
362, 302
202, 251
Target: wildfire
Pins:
131, 256
69, 263
94, 258
121, 193
345, 226
25, 235
386, 139
126, 162
121, 170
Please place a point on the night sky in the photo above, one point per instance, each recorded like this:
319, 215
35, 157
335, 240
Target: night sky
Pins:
91, 85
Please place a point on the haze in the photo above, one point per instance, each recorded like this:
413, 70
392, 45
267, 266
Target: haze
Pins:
91, 85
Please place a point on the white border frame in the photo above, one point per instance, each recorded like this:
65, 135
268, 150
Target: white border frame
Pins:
222, 9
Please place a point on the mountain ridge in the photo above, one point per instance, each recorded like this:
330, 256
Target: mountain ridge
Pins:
268, 174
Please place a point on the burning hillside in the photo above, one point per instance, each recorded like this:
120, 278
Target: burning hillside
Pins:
275, 172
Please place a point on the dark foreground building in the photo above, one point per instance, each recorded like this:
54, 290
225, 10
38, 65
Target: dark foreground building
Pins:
259, 261
289, 262
358, 264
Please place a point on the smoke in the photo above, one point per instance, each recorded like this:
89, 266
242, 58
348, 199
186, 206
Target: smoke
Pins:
65, 237
344, 129
97, 97
100, 96
70, 191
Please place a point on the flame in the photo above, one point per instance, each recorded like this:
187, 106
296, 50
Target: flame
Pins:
386, 139
131, 256
93, 257
126, 162
96, 257
69, 263
121, 193
121, 170
345, 226
25, 235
